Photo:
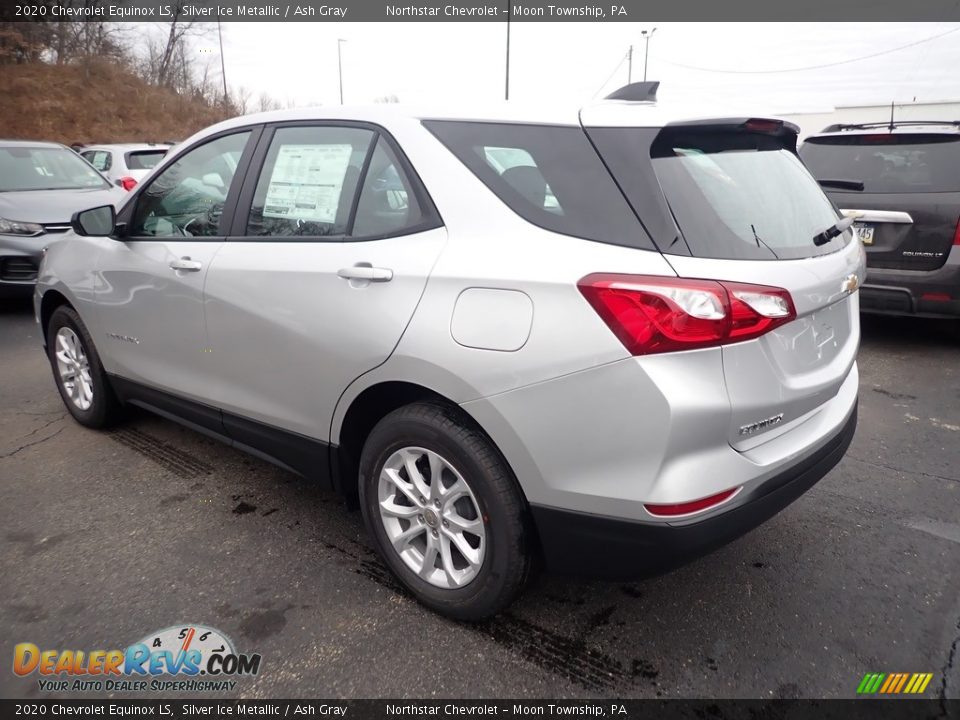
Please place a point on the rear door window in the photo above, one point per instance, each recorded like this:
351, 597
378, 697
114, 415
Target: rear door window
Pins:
387, 204
549, 175
887, 162
308, 181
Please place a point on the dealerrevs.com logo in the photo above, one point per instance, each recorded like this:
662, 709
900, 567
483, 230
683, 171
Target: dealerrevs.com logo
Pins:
183, 658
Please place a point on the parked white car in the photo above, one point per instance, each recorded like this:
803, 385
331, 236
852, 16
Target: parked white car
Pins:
125, 165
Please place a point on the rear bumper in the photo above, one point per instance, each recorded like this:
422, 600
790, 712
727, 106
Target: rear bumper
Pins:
901, 292
598, 546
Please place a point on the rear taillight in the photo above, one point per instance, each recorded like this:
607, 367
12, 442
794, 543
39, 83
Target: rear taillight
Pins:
956, 234
660, 314
127, 183
689, 508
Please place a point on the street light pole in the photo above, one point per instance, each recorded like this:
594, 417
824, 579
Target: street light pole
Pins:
630, 65
340, 42
223, 66
646, 50
506, 90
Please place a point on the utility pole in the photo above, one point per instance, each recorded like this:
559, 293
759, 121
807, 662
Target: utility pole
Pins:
223, 66
506, 89
340, 42
646, 50
630, 65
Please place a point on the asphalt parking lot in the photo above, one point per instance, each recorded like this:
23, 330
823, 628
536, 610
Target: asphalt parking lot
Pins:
108, 536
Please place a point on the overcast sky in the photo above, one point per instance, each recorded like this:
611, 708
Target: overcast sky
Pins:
426, 62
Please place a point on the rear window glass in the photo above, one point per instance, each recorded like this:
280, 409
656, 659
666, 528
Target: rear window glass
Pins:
144, 160
549, 175
887, 162
742, 195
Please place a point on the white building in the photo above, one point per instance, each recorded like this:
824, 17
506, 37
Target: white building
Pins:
814, 122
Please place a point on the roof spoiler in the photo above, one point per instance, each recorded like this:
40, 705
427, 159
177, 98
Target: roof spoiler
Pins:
636, 92
837, 127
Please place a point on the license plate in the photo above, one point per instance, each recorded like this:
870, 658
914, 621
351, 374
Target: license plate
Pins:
864, 233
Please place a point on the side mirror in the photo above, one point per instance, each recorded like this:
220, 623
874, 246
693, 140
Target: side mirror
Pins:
96, 222
213, 180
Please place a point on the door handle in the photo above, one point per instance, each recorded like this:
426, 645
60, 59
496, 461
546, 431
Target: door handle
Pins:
365, 272
185, 263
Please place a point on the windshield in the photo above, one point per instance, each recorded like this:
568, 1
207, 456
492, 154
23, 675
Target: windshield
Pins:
45, 168
887, 162
739, 195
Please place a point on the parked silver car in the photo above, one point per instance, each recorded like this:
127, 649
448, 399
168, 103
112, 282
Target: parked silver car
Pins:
41, 186
614, 336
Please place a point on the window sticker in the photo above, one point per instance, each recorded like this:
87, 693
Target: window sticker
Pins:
306, 182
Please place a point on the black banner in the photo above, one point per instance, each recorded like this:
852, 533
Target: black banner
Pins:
479, 10
865, 709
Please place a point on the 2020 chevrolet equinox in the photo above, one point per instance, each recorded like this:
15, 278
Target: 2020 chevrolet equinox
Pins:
610, 338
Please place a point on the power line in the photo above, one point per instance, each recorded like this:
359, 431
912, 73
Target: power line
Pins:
611, 76
811, 67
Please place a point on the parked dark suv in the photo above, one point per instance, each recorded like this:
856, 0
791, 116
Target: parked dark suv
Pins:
903, 179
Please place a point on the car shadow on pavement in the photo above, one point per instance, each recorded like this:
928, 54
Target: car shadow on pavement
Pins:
882, 331
16, 306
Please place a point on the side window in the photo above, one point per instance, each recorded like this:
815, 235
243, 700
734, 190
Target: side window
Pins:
550, 175
100, 159
308, 182
518, 169
187, 198
387, 202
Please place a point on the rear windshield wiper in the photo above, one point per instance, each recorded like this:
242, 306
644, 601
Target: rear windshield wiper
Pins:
838, 228
843, 184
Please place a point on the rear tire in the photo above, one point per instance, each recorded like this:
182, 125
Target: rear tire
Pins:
455, 532
78, 372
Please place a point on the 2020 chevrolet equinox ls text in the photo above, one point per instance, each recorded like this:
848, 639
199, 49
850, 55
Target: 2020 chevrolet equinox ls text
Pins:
607, 339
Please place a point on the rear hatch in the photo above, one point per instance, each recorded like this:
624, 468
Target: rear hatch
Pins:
909, 204
141, 162
730, 200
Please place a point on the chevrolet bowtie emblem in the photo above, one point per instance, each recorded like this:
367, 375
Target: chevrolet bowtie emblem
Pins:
850, 283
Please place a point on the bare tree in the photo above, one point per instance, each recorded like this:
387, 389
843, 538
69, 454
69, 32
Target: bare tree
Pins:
387, 99
266, 103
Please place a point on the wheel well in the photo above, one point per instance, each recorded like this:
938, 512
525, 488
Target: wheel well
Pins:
50, 302
371, 406
367, 409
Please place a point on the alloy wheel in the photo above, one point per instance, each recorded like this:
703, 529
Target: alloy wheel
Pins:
431, 517
74, 368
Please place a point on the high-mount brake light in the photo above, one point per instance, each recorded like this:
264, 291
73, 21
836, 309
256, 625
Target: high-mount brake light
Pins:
763, 126
652, 314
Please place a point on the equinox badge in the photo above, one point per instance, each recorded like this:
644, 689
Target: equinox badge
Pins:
762, 425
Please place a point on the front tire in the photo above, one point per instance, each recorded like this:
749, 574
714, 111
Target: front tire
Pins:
78, 372
445, 511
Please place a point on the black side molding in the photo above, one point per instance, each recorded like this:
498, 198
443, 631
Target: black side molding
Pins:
305, 456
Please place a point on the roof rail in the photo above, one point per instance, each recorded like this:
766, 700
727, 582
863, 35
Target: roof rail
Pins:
636, 92
837, 127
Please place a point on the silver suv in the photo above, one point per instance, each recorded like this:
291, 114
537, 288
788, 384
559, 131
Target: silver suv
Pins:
609, 338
